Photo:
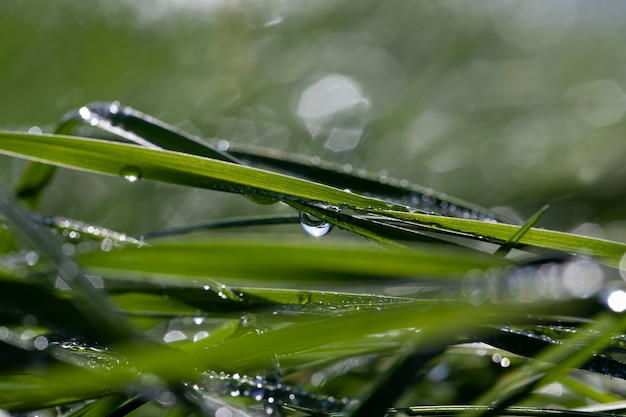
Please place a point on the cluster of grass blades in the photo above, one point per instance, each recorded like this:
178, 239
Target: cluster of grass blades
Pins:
96, 322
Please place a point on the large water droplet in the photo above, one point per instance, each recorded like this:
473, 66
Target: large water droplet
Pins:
131, 173
314, 226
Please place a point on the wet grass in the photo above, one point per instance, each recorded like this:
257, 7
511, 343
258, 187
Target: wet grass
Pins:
412, 303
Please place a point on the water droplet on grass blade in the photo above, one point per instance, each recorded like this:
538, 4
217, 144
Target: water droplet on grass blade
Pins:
313, 225
131, 173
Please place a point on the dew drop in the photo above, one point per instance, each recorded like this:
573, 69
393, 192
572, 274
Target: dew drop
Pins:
131, 173
84, 113
31, 258
314, 226
223, 145
114, 107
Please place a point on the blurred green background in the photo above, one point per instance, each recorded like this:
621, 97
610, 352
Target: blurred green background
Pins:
503, 103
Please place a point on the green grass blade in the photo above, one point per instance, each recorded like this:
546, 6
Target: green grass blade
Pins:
293, 261
115, 159
608, 251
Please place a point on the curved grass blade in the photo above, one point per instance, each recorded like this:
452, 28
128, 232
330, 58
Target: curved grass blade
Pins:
112, 158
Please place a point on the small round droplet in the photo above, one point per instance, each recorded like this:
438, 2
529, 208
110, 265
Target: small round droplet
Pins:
114, 107
314, 226
84, 113
223, 145
131, 173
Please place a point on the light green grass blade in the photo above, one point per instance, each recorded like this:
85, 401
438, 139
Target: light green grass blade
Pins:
117, 159
294, 261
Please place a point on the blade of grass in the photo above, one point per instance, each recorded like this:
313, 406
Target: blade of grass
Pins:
294, 260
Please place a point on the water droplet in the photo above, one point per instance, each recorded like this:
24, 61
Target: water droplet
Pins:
223, 145
617, 301
31, 258
114, 107
106, 245
258, 393
84, 113
40, 343
131, 173
95, 119
314, 226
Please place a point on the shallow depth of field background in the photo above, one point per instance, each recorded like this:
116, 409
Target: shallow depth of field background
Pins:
503, 103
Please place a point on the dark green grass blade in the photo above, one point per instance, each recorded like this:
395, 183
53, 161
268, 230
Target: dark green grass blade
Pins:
364, 183
141, 129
